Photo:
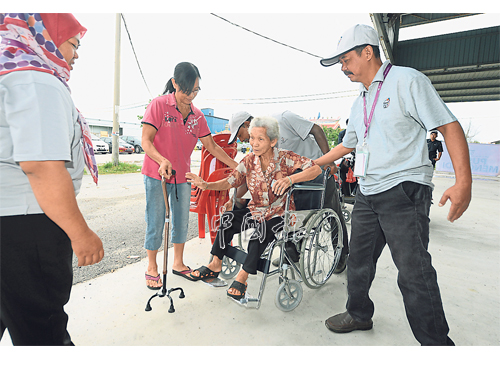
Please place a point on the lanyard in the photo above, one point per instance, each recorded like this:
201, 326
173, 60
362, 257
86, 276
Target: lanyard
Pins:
369, 120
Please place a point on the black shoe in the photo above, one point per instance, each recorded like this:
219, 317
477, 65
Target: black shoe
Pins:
343, 323
341, 265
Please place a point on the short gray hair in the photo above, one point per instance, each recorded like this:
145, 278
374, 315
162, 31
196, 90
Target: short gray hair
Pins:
269, 123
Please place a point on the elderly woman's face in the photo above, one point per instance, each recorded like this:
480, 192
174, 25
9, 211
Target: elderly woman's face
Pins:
260, 142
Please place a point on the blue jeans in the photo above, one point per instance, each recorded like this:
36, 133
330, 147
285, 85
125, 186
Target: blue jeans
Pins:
155, 212
399, 218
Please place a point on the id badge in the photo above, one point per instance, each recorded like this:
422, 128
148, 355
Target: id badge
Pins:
361, 160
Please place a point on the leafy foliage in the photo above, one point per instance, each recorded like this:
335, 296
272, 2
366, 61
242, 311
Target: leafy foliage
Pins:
332, 135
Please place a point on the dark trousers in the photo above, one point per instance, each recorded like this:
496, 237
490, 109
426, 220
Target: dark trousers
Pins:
236, 221
306, 200
36, 276
399, 218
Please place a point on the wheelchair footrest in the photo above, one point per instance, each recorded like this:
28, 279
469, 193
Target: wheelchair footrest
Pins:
215, 283
246, 300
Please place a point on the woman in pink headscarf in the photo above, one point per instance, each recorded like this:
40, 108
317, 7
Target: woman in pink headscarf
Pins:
44, 145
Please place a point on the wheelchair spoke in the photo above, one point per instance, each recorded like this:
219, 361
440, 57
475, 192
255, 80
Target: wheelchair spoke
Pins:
321, 252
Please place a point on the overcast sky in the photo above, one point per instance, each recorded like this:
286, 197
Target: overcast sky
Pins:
240, 70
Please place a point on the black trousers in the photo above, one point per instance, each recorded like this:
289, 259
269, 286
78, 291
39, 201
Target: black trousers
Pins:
36, 276
237, 221
398, 217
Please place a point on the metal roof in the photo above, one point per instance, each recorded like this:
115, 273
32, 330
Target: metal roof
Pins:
463, 66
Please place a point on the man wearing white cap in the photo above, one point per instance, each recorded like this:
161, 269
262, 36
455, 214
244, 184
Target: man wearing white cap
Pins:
295, 135
387, 127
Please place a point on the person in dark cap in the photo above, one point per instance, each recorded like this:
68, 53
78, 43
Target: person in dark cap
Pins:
435, 148
388, 125
41, 170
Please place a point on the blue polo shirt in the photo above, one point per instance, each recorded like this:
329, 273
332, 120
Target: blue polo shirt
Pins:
408, 107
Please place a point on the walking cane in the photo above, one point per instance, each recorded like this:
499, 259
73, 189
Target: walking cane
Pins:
163, 291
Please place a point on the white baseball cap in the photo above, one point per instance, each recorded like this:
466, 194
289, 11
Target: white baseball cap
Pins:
356, 36
235, 123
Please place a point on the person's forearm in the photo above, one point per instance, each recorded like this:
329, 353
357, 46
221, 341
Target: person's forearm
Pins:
320, 137
54, 192
306, 175
218, 185
221, 155
217, 151
335, 153
458, 149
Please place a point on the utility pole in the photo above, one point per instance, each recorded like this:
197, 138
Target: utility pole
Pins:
116, 97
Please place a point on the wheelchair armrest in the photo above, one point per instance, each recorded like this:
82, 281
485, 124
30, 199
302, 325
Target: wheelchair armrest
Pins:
307, 186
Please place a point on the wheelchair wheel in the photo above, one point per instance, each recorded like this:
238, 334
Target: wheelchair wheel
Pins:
289, 295
321, 248
346, 214
230, 268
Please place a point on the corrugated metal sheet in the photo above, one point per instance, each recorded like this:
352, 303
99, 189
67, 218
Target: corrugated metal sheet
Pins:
475, 47
463, 66
414, 19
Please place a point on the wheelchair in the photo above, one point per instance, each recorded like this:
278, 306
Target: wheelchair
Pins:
347, 189
317, 234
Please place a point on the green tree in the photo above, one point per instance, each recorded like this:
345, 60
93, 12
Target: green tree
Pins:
332, 135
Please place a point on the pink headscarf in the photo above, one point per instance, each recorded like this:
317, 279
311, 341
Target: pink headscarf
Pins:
27, 44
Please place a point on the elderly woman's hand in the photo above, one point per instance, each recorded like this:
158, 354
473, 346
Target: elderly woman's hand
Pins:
280, 186
196, 180
228, 206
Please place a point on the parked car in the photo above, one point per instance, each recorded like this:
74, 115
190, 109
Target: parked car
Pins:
99, 145
125, 147
198, 146
109, 142
134, 141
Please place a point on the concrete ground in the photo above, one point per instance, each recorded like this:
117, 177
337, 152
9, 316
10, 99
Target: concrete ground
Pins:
110, 311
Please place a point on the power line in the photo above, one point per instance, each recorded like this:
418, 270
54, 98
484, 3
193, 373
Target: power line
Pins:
133, 50
126, 107
294, 96
293, 101
265, 37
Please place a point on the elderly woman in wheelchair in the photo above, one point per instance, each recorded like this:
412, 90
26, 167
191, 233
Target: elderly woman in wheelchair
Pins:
268, 173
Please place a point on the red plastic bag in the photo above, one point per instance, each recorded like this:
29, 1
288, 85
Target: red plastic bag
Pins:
350, 176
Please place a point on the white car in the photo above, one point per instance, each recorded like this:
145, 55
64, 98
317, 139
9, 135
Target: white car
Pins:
99, 145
